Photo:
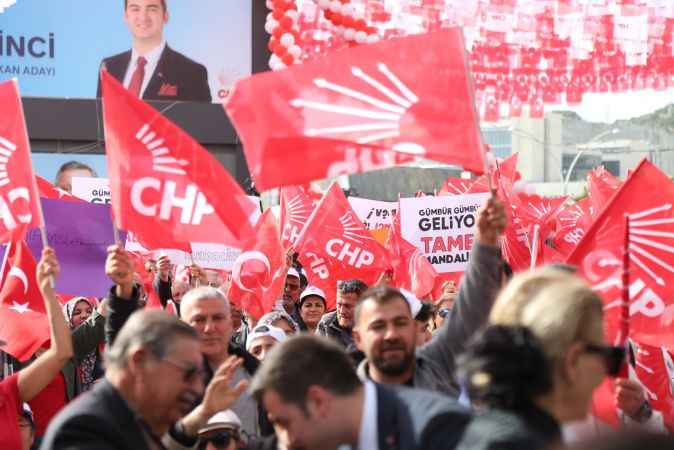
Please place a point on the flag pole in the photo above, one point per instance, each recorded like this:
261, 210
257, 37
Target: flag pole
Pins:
534, 247
625, 306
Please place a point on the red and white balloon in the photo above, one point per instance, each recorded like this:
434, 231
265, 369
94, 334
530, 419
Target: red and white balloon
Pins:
282, 25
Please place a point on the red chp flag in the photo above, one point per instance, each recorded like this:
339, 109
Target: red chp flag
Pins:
259, 273
335, 245
165, 187
601, 186
19, 207
648, 197
296, 207
360, 109
23, 322
411, 269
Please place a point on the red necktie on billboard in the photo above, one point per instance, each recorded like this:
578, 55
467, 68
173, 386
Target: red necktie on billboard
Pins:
23, 321
259, 273
165, 187
359, 109
137, 77
334, 245
19, 200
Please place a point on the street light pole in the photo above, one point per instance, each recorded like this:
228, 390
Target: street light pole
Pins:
581, 153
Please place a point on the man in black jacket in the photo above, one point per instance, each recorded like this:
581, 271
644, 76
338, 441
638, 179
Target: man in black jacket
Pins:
152, 379
316, 401
151, 69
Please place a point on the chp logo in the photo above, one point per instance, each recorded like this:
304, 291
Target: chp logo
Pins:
4, 4
10, 203
351, 249
385, 114
191, 202
298, 214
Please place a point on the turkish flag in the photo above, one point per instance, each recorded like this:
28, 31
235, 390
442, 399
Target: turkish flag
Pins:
411, 269
165, 187
23, 320
647, 196
296, 207
19, 199
259, 273
359, 109
48, 190
334, 245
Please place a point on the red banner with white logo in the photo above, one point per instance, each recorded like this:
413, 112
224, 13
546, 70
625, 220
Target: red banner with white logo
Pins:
296, 207
23, 321
335, 245
360, 109
165, 187
19, 200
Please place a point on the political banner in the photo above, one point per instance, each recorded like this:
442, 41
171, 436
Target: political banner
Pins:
80, 233
375, 214
92, 190
442, 228
56, 49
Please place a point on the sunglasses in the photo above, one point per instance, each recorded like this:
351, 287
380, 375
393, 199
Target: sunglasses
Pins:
614, 357
444, 312
190, 372
220, 440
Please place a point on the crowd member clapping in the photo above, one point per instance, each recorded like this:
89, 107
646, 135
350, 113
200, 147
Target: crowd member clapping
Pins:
386, 332
30, 381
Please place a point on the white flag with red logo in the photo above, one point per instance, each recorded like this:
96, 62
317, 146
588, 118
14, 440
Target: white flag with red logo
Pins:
296, 207
19, 200
23, 320
334, 245
367, 107
165, 187
259, 273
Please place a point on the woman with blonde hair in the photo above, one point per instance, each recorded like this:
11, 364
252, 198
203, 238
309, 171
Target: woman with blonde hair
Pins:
552, 378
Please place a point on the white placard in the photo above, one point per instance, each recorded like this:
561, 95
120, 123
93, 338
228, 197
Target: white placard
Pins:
374, 214
206, 255
442, 228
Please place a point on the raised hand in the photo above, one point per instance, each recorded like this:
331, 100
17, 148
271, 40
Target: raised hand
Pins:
47, 270
491, 222
119, 268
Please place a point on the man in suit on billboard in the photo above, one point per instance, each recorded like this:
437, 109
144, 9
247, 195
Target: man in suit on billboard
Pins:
151, 69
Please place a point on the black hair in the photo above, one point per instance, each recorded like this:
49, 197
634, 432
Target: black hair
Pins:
163, 4
426, 312
505, 367
507, 270
351, 287
72, 165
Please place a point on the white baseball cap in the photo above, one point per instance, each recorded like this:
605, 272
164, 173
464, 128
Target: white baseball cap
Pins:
413, 301
312, 290
265, 330
292, 272
226, 419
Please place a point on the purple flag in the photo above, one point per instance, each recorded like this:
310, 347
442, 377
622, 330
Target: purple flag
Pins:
79, 232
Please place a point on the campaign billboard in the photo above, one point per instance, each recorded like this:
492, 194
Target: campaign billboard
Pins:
193, 51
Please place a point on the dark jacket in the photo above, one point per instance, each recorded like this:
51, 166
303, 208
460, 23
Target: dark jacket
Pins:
99, 419
533, 429
163, 290
410, 419
176, 78
435, 365
328, 326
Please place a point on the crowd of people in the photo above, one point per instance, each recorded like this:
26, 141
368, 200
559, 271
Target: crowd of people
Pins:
499, 362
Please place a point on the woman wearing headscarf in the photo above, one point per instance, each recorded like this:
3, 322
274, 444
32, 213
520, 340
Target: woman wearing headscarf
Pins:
87, 325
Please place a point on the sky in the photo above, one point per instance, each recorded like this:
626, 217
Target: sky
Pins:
610, 107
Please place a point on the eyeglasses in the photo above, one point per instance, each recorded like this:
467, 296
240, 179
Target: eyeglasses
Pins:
220, 440
613, 356
190, 372
444, 312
